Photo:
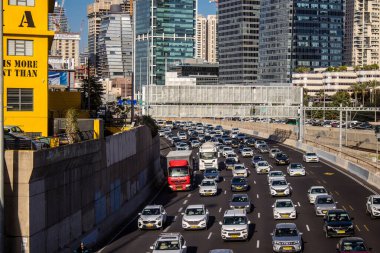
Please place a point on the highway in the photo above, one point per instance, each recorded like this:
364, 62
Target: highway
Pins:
350, 193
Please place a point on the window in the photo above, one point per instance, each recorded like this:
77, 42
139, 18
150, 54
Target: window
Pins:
19, 99
21, 2
20, 47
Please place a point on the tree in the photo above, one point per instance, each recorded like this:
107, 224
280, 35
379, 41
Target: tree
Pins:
373, 84
342, 68
92, 91
72, 125
302, 69
363, 89
341, 97
330, 69
356, 89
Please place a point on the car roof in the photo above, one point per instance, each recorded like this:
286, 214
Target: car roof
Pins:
317, 187
195, 206
283, 200
375, 196
337, 211
169, 236
239, 195
153, 206
286, 225
235, 212
324, 196
206, 179
221, 251
351, 239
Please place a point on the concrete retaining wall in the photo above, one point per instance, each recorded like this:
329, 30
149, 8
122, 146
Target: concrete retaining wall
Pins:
56, 197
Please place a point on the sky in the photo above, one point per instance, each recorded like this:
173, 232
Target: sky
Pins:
76, 11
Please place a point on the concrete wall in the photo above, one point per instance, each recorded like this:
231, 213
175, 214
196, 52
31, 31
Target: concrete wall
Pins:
56, 197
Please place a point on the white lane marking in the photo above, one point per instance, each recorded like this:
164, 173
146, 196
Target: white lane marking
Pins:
258, 244
254, 182
258, 215
366, 228
166, 229
258, 196
189, 195
220, 209
299, 204
307, 227
352, 209
225, 192
175, 218
185, 202
344, 208
224, 179
357, 227
209, 236
180, 209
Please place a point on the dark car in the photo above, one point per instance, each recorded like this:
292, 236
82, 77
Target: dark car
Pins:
352, 244
282, 158
250, 142
256, 158
241, 147
229, 163
338, 223
239, 184
241, 137
211, 173
263, 148
234, 143
207, 138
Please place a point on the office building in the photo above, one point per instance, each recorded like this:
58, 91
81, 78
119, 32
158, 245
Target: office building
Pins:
238, 41
115, 47
302, 34
65, 50
201, 38
58, 19
212, 39
204, 73
362, 33
165, 34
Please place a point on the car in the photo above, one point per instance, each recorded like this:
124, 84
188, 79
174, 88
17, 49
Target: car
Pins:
211, 173
201, 137
259, 142
182, 135
229, 163
247, 152
195, 144
275, 174
256, 158
235, 225
279, 187
239, 184
241, 137
182, 146
284, 209
337, 223
208, 187
241, 147
226, 140
234, 143
15, 130
23, 142
296, 169
233, 155
240, 170
262, 167
286, 238
240, 201
250, 142
315, 191
352, 244
195, 217
233, 135
169, 242
310, 158
323, 203
227, 150
161, 132
152, 217
221, 251
273, 152
373, 206
282, 158
263, 148
235, 129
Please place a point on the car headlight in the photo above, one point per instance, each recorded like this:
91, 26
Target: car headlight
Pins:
318, 207
232, 207
328, 227
351, 227
140, 220
159, 218
247, 206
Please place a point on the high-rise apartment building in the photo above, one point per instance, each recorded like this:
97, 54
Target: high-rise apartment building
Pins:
201, 38
58, 19
66, 47
212, 38
302, 34
238, 41
165, 33
114, 48
362, 32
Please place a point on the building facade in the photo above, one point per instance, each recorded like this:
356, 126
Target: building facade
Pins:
302, 34
201, 38
65, 47
26, 47
58, 20
115, 44
362, 33
165, 33
238, 41
212, 38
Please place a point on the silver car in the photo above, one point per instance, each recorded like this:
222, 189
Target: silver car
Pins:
240, 201
195, 217
152, 217
314, 191
275, 174
247, 152
235, 225
169, 243
373, 206
323, 203
284, 209
311, 158
240, 170
279, 187
263, 167
208, 187
259, 142
296, 169
286, 238
273, 152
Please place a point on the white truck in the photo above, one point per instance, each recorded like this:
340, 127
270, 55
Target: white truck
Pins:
208, 156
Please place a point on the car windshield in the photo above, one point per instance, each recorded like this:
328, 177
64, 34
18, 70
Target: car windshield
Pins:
376, 201
230, 160
353, 246
338, 217
227, 149
296, 166
246, 149
208, 183
325, 201
257, 158
238, 180
207, 155
311, 154
275, 150
194, 211
239, 167
318, 190
276, 174
278, 182
240, 199
178, 171
285, 232
282, 156
263, 146
167, 245
211, 171
262, 164
235, 220
151, 211
284, 204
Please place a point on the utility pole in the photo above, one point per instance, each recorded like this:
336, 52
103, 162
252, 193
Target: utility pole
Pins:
301, 119
340, 127
2, 235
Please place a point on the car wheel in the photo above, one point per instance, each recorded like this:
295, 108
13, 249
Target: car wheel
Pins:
372, 216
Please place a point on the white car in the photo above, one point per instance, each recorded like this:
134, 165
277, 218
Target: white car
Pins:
284, 209
227, 150
311, 158
240, 170
235, 129
169, 242
273, 152
195, 217
247, 152
263, 167
259, 142
195, 144
275, 174
315, 191
152, 217
232, 155
373, 206
182, 135
208, 187
234, 135
279, 187
296, 169
235, 225
183, 146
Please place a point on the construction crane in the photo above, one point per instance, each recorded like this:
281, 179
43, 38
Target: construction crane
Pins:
58, 19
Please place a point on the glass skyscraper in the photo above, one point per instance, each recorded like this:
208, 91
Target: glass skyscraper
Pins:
299, 33
165, 34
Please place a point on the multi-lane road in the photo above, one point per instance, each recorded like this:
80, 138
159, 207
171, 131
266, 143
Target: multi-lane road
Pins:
350, 193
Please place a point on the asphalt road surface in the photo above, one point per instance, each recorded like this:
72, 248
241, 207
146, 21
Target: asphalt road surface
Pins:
349, 192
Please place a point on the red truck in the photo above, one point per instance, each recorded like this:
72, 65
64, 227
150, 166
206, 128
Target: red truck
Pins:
180, 170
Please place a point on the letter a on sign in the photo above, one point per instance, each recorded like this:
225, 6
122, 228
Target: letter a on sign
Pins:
27, 19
